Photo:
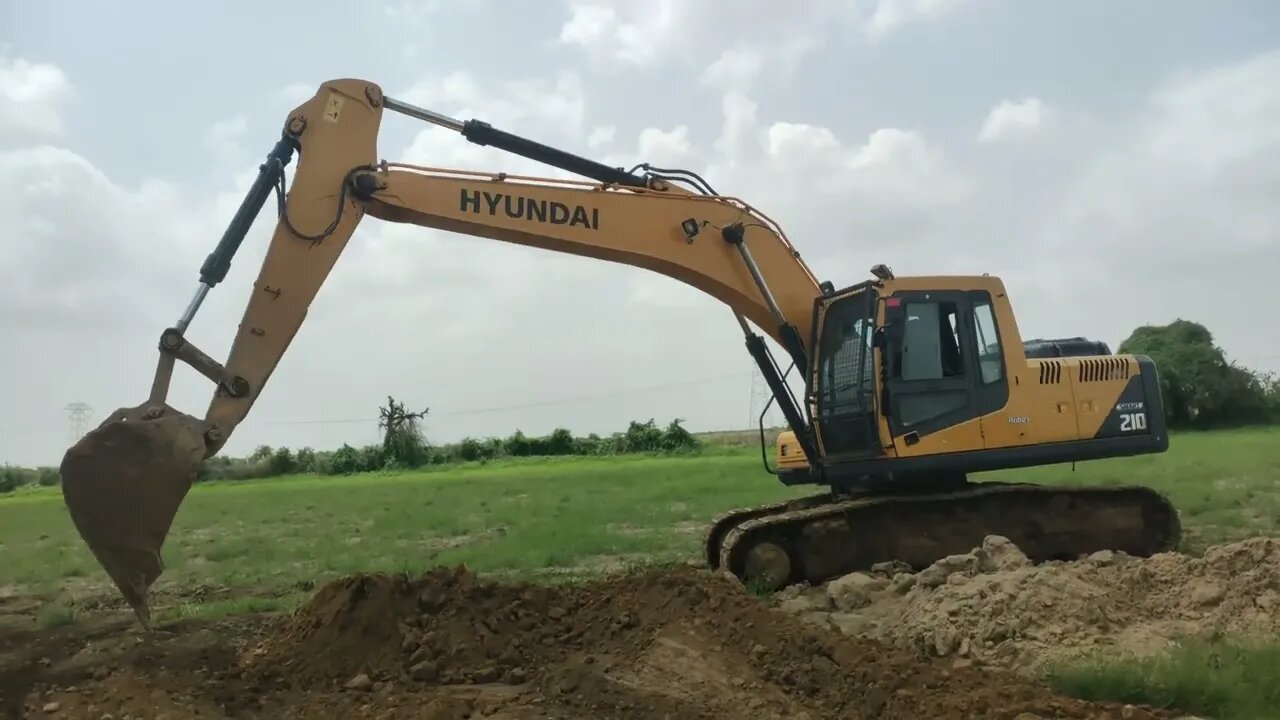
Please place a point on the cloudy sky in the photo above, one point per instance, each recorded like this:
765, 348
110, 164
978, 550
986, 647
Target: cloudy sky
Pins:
1117, 163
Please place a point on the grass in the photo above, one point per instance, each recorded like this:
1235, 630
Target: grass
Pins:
249, 546
563, 517
1209, 676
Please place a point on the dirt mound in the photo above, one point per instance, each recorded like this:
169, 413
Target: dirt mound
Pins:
673, 643
992, 605
444, 626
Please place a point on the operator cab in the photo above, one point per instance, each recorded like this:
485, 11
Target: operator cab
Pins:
897, 360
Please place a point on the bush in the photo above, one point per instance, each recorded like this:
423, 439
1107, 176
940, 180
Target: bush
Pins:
373, 457
282, 462
11, 478
408, 450
470, 450
345, 461
306, 460
48, 476
1199, 386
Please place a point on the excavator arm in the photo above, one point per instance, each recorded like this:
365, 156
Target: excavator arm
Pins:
124, 482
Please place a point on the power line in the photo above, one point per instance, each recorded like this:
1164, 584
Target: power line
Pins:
761, 395
537, 404
492, 409
78, 415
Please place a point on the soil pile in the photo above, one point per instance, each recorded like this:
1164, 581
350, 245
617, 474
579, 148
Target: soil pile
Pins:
444, 626
992, 605
662, 644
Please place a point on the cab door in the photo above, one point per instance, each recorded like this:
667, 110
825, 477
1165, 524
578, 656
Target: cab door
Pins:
931, 380
842, 386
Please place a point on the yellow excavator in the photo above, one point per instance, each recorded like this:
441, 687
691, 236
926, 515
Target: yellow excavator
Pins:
910, 383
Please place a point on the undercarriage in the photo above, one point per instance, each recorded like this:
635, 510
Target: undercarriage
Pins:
820, 537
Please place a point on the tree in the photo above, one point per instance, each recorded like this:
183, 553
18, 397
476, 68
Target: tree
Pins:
261, 454
402, 441
1200, 387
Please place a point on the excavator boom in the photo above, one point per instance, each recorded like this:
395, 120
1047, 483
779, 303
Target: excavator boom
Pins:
125, 480
644, 222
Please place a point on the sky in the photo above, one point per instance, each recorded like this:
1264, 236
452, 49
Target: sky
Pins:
1117, 164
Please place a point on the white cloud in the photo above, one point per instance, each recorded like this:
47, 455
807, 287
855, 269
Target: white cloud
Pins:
769, 39
739, 131
1176, 216
413, 13
736, 68
554, 103
295, 94
851, 203
33, 97
95, 270
73, 222
601, 136
889, 15
630, 37
225, 137
1012, 119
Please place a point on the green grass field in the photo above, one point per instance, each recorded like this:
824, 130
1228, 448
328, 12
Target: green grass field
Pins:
264, 544
554, 518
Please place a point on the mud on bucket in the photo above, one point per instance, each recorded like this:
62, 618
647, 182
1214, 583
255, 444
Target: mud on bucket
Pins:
123, 483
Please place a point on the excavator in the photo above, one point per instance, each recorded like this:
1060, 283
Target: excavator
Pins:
911, 384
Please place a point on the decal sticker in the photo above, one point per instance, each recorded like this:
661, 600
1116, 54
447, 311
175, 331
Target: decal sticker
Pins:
1133, 422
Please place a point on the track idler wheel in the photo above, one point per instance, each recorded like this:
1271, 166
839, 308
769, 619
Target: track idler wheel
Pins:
767, 566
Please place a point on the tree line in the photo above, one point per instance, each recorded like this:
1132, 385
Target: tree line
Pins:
405, 447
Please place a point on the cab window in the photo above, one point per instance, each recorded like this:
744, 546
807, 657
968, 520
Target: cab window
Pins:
990, 357
931, 342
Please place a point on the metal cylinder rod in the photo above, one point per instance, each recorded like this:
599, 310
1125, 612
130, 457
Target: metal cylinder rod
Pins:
218, 263
190, 313
764, 287
436, 118
482, 133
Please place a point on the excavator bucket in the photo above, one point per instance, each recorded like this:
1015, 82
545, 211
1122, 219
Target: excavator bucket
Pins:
123, 483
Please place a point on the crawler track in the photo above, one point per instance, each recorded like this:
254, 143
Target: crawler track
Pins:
819, 537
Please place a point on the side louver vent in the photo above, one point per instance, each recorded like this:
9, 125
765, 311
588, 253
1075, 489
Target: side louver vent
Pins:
1103, 369
1050, 372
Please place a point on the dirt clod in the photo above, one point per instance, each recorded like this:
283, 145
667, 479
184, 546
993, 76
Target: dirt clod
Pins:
994, 606
360, 682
